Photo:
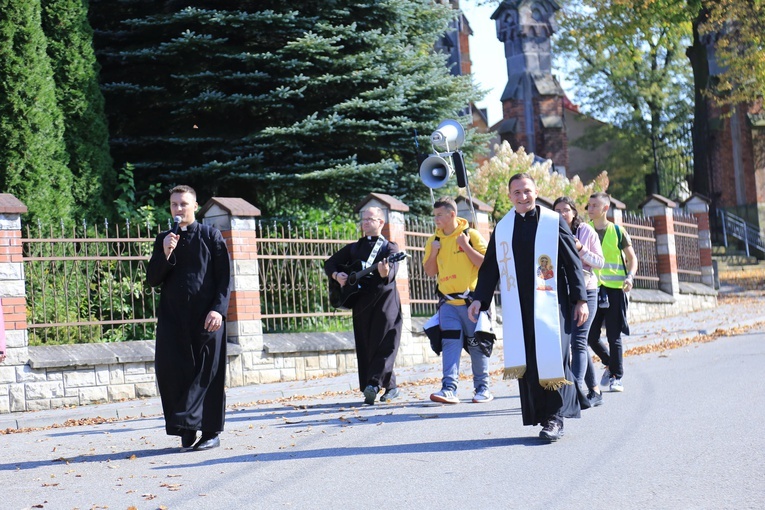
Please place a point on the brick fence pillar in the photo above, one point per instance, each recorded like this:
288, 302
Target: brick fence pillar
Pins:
698, 206
615, 212
14, 301
237, 220
482, 212
757, 123
410, 352
661, 210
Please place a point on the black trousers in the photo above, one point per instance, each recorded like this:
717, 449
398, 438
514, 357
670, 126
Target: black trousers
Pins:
615, 319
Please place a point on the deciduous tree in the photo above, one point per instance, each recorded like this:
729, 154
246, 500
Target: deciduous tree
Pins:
490, 183
630, 69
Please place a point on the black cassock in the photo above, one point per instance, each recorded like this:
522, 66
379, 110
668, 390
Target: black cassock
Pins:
376, 314
190, 362
538, 404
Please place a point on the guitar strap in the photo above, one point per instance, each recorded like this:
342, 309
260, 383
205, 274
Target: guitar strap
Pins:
379, 244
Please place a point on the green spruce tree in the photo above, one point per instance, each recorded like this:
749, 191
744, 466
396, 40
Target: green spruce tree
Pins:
70, 47
33, 158
284, 104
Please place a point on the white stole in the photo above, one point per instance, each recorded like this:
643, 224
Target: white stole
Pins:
545, 295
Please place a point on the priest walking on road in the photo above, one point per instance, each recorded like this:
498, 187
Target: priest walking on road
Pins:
532, 255
191, 264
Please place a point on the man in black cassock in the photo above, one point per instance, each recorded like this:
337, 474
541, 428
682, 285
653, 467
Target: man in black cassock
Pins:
193, 268
377, 310
538, 405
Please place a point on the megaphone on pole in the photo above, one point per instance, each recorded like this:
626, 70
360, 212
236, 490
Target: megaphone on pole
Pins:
435, 171
449, 135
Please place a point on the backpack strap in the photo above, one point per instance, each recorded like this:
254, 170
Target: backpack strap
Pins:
619, 239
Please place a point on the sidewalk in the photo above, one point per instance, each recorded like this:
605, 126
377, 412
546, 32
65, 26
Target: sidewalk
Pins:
739, 310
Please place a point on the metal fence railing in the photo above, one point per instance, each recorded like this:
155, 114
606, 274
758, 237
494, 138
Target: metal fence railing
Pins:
687, 247
643, 235
88, 283
293, 287
674, 162
422, 288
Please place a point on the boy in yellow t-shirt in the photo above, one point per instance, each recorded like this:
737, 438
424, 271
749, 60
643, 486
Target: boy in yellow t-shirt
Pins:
453, 255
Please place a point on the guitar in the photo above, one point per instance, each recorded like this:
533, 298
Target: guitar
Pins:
345, 297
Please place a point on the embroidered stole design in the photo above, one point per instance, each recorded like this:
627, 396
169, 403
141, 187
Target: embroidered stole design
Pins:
545, 297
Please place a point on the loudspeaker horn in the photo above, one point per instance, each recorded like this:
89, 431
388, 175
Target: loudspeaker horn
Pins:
449, 135
435, 172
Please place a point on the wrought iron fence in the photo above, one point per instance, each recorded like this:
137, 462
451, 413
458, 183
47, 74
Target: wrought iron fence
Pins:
88, 283
643, 235
674, 162
422, 288
293, 287
687, 247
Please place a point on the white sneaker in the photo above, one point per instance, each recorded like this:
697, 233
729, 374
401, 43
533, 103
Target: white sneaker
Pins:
605, 381
445, 397
483, 395
616, 385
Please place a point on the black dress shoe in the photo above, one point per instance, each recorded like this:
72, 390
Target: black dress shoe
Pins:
207, 442
188, 438
552, 431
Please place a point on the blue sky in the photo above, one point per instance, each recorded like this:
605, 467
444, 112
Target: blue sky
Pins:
487, 56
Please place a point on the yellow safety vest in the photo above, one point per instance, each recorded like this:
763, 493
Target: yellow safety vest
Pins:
613, 273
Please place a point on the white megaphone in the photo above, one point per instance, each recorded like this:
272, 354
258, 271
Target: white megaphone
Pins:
449, 135
435, 171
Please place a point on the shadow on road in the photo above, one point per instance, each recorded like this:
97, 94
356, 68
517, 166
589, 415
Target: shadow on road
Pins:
397, 449
355, 412
103, 457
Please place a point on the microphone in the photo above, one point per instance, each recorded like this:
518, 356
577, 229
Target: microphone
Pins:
176, 221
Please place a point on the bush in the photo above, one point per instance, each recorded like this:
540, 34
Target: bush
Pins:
490, 182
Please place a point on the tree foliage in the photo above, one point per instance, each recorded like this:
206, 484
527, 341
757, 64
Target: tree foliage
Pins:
490, 183
283, 104
631, 67
70, 47
627, 162
735, 28
33, 157
631, 70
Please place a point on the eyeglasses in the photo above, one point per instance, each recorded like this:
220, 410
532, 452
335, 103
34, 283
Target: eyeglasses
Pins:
367, 220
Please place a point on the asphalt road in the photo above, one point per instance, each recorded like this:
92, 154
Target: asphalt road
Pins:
685, 434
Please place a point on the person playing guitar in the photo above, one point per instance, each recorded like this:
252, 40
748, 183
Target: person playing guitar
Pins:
375, 304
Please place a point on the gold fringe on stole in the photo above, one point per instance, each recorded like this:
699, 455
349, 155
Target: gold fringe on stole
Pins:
514, 372
553, 384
